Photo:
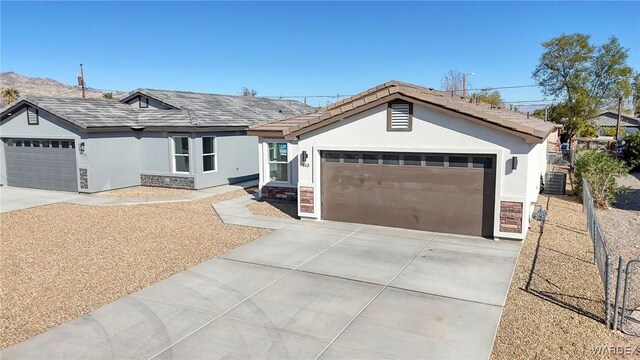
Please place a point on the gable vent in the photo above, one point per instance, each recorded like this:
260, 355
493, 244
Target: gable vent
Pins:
400, 114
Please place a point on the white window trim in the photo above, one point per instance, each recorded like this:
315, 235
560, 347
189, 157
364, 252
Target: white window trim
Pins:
268, 161
214, 153
172, 144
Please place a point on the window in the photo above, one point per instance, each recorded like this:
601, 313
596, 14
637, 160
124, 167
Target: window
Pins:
332, 157
458, 161
278, 163
399, 116
143, 103
482, 162
350, 158
391, 159
370, 158
180, 154
55, 144
208, 153
32, 116
35, 143
412, 160
434, 160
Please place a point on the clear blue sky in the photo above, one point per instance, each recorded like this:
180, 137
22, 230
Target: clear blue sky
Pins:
298, 48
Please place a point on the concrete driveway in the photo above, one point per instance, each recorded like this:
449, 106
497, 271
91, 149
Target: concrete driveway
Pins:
310, 290
15, 198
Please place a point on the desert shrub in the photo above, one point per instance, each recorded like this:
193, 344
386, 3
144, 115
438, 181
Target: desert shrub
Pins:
600, 170
631, 150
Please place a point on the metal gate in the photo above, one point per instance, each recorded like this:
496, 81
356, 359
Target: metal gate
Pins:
630, 311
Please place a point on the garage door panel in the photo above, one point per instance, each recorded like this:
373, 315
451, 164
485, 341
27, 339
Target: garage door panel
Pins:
41, 167
454, 200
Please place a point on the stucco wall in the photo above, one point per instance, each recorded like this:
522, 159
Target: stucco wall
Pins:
236, 157
236, 160
113, 160
433, 131
49, 127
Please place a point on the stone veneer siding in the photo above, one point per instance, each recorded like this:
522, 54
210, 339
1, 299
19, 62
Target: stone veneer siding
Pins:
511, 216
279, 193
176, 182
306, 199
84, 179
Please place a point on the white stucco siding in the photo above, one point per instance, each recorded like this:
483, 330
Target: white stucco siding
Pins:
537, 168
49, 127
433, 131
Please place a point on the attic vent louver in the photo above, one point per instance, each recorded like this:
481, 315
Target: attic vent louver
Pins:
400, 116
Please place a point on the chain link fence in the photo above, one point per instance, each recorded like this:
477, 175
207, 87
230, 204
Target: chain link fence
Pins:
622, 283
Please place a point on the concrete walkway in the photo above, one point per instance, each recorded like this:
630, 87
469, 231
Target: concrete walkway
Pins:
235, 212
15, 198
309, 290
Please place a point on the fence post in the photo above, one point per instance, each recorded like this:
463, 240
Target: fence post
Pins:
615, 301
607, 295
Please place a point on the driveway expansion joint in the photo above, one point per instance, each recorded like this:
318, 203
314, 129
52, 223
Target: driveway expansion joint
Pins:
374, 297
250, 296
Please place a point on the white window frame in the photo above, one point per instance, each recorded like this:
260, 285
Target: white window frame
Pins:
173, 154
214, 153
268, 162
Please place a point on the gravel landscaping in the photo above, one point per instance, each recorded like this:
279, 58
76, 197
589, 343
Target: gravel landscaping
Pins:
554, 308
61, 261
142, 191
621, 222
274, 208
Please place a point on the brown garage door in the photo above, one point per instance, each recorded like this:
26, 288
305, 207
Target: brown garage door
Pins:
451, 193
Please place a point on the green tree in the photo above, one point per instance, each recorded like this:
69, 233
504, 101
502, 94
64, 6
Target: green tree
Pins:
586, 77
107, 95
490, 97
10, 95
631, 150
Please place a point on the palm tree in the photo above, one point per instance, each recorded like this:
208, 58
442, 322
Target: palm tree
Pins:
10, 95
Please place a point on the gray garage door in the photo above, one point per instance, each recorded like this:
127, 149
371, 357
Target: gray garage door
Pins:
41, 164
451, 193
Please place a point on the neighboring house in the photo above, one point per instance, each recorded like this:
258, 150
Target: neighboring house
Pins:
406, 156
149, 137
609, 119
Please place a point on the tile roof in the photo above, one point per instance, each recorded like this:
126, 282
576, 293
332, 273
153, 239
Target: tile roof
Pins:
224, 110
511, 121
84, 113
190, 110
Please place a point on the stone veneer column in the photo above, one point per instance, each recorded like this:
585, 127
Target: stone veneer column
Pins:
511, 216
306, 199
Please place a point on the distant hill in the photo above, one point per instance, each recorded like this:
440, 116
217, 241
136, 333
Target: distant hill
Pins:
33, 86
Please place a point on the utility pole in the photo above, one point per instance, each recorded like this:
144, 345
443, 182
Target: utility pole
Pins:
81, 81
619, 118
546, 113
464, 83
